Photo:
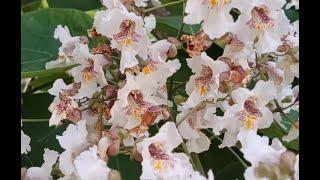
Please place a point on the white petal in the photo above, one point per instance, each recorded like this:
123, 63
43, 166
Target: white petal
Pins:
150, 23
25, 143
200, 144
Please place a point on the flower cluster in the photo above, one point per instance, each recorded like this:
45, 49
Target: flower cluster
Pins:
124, 85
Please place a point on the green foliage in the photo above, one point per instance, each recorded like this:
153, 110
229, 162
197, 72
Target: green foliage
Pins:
37, 44
129, 169
83, 5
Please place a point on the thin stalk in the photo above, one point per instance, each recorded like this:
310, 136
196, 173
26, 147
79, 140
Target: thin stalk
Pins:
35, 120
285, 115
185, 149
197, 107
198, 164
164, 5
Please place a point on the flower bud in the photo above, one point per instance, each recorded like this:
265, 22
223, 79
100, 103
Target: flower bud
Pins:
136, 155
287, 160
74, 115
114, 175
92, 32
23, 173
113, 149
172, 52
175, 42
111, 91
103, 146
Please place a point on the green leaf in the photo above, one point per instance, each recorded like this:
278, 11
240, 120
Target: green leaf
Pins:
222, 162
175, 9
35, 106
37, 44
171, 25
274, 131
44, 73
83, 5
292, 14
129, 169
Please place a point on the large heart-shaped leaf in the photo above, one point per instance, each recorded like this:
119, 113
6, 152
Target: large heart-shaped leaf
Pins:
37, 44
83, 5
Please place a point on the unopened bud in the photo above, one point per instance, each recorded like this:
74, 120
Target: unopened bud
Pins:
93, 138
23, 173
111, 91
92, 32
103, 146
175, 42
172, 52
114, 175
136, 155
287, 160
74, 115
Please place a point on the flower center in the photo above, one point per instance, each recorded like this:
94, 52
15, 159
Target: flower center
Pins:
65, 104
260, 18
204, 80
159, 156
127, 34
250, 113
137, 106
216, 3
149, 68
88, 73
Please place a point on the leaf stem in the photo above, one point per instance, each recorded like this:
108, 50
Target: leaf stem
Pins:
198, 164
182, 24
197, 107
164, 5
285, 115
235, 155
35, 120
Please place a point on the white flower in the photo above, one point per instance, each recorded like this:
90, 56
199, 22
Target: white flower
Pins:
249, 111
262, 19
63, 105
90, 167
157, 69
266, 160
25, 142
294, 3
214, 14
296, 168
127, 32
73, 140
149, 23
90, 72
191, 126
204, 84
43, 172
238, 52
66, 50
137, 108
158, 159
